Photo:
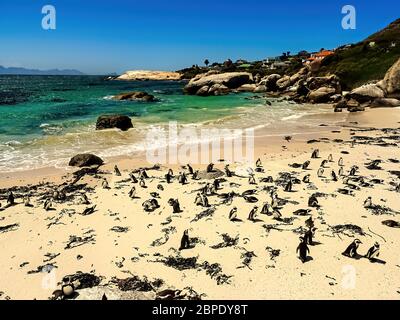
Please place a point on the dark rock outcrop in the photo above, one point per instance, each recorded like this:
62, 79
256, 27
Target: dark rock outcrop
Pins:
135, 96
114, 121
85, 160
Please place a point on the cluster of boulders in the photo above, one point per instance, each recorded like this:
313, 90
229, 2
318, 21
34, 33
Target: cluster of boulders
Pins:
383, 94
303, 87
213, 84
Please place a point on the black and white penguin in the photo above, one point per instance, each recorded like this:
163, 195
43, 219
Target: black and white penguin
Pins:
10, 199
252, 179
258, 163
305, 165
266, 209
313, 201
351, 250
340, 162
334, 176
132, 192
373, 252
228, 172
252, 213
233, 214
341, 172
210, 167
309, 235
306, 178
330, 157
190, 169
320, 172
323, 163
133, 178
142, 183
104, 184
198, 201
302, 250
315, 154
116, 171
289, 186
368, 203
185, 242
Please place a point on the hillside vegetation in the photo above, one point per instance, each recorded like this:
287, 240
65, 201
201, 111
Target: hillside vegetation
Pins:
367, 60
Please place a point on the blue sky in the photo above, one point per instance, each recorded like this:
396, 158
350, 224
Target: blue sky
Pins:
97, 36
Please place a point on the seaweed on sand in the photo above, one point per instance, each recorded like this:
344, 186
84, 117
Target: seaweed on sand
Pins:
214, 270
273, 253
247, 257
227, 241
348, 229
85, 280
75, 241
206, 213
10, 227
377, 209
179, 262
136, 284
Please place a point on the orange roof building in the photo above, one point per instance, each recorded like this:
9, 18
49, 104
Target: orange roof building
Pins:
320, 55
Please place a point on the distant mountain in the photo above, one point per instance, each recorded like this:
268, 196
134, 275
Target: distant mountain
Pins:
367, 60
24, 71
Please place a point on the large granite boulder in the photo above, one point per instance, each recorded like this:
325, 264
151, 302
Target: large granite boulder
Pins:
218, 89
321, 95
385, 103
114, 121
85, 160
367, 93
135, 96
270, 81
391, 82
314, 83
248, 87
149, 75
283, 83
231, 80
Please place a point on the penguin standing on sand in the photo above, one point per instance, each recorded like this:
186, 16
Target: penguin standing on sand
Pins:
104, 184
368, 203
308, 236
320, 172
315, 154
198, 201
373, 252
252, 179
313, 201
340, 172
47, 204
10, 199
334, 176
142, 183
258, 163
190, 169
227, 171
185, 242
132, 192
330, 157
168, 177
302, 250
266, 209
133, 178
252, 213
340, 162
195, 175
289, 185
353, 170
210, 167
176, 208
306, 178
351, 250
305, 165
116, 171
323, 163
204, 201
233, 214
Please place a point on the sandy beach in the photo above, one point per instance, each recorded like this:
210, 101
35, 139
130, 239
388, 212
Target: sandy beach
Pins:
226, 259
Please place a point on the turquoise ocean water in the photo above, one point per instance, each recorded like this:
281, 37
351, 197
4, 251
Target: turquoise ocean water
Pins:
44, 120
